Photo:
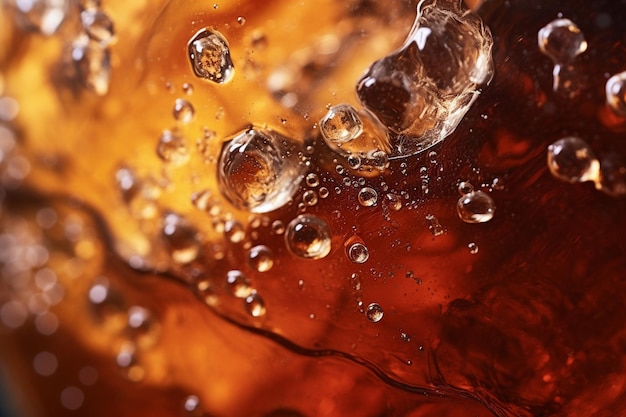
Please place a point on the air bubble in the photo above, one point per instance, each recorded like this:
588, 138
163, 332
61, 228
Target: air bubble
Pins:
210, 56
312, 180
309, 198
562, 41
476, 207
323, 192
259, 170
473, 248
278, 227
234, 231
255, 305
92, 64
260, 258
358, 253
465, 188
367, 197
354, 162
308, 237
191, 404
181, 239
341, 124
612, 179
571, 159
393, 201
616, 93
422, 91
98, 25
172, 147
46, 16
183, 111
238, 284
374, 312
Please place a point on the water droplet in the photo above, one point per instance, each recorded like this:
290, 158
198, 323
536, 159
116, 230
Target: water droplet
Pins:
424, 101
92, 64
374, 312
255, 305
259, 170
616, 93
172, 147
308, 237
473, 248
98, 25
561, 40
260, 258
183, 111
358, 253
341, 124
238, 284
312, 180
181, 239
309, 198
465, 188
368, 197
210, 56
571, 159
476, 207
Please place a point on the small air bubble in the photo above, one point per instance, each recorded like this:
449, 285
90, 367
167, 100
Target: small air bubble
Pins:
255, 305
260, 258
473, 248
323, 192
374, 313
309, 198
358, 253
476, 207
308, 237
183, 111
312, 180
238, 284
210, 56
465, 188
561, 40
181, 239
616, 93
341, 124
571, 160
368, 197
172, 147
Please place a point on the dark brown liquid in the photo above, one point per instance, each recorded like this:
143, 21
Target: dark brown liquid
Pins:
516, 315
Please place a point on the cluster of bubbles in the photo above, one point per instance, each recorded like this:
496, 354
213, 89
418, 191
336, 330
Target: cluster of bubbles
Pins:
572, 160
474, 206
562, 41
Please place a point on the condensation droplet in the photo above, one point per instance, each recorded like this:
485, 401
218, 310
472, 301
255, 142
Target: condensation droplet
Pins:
358, 253
255, 305
238, 284
181, 239
210, 56
308, 237
571, 159
374, 312
367, 197
476, 207
260, 258
98, 25
616, 93
172, 147
341, 124
183, 111
259, 170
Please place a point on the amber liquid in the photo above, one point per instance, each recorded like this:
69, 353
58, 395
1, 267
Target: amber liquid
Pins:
132, 284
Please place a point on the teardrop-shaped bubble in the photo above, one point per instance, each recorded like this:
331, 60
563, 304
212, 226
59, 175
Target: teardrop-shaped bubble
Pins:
422, 91
209, 55
307, 236
259, 170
